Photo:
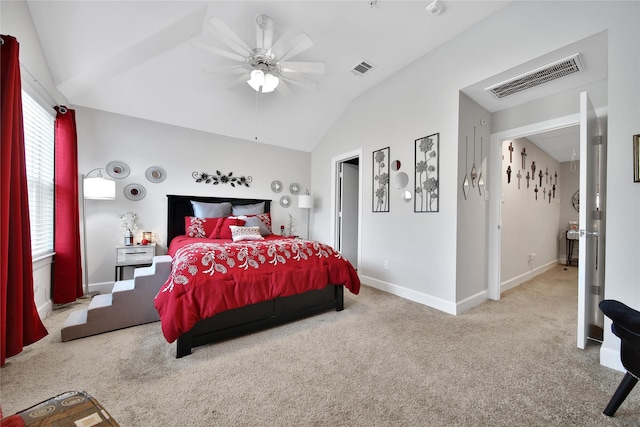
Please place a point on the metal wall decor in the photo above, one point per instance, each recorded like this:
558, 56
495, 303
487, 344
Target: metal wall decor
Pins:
474, 170
465, 181
481, 178
155, 174
636, 158
220, 178
135, 192
276, 186
427, 162
117, 169
381, 180
543, 181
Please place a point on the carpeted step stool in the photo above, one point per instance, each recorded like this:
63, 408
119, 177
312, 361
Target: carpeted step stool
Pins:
129, 304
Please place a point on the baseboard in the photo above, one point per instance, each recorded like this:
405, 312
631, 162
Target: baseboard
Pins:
515, 281
45, 309
472, 301
100, 288
419, 297
611, 359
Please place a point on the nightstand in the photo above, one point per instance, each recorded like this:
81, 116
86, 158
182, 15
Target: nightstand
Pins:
133, 256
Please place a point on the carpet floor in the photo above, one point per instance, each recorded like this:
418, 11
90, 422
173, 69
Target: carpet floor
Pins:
383, 361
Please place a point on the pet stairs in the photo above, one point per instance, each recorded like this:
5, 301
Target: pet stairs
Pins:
130, 303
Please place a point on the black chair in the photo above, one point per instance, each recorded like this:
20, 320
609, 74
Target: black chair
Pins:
626, 325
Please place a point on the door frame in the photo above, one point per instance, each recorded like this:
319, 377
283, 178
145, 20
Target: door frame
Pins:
495, 191
335, 170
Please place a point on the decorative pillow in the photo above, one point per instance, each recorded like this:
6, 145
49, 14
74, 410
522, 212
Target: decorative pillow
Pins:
211, 210
199, 227
254, 209
222, 230
266, 220
255, 221
245, 233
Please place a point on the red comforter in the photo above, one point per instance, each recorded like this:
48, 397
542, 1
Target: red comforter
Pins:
210, 276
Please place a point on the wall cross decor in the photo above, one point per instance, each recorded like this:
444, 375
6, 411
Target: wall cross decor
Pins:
524, 155
519, 175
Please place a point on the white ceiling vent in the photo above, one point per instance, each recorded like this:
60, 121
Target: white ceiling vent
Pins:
363, 68
537, 77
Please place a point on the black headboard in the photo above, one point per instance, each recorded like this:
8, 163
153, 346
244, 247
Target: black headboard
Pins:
180, 206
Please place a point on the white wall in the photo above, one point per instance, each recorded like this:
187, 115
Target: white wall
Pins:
529, 223
423, 98
472, 260
104, 137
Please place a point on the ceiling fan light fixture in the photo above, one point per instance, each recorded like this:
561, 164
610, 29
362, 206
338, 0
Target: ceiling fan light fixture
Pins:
271, 82
257, 80
263, 82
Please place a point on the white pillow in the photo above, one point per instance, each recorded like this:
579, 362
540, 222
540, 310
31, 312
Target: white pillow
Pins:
245, 233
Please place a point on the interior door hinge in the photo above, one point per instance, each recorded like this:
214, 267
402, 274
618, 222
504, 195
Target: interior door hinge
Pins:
595, 290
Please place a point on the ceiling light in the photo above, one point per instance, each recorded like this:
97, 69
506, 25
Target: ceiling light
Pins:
263, 82
435, 8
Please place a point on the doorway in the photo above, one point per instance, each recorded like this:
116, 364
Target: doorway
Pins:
346, 205
593, 285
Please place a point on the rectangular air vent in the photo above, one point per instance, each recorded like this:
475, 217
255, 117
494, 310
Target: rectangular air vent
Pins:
362, 68
537, 77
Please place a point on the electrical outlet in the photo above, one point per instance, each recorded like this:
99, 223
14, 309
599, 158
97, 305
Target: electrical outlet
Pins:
386, 264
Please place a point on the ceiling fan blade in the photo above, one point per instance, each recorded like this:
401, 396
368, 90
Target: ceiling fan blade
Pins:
228, 69
290, 45
283, 88
303, 67
218, 51
264, 32
300, 82
238, 83
226, 35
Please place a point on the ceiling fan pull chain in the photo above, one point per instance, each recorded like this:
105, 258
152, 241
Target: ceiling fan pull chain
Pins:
256, 116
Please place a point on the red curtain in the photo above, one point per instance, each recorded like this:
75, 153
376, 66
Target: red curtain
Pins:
20, 324
67, 270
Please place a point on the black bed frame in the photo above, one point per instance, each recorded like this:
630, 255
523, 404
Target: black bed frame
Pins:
252, 318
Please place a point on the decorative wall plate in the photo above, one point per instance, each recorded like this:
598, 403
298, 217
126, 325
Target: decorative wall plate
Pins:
118, 169
135, 192
276, 186
285, 201
155, 174
294, 188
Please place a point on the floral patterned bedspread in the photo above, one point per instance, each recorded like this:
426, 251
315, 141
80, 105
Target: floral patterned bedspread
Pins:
211, 276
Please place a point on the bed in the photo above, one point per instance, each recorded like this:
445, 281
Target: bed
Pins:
220, 288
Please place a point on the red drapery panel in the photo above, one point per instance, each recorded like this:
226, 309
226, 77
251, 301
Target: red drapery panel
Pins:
20, 324
67, 270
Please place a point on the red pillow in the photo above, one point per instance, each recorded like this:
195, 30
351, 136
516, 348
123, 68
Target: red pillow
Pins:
223, 230
199, 227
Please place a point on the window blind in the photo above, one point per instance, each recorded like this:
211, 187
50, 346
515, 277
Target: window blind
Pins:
39, 155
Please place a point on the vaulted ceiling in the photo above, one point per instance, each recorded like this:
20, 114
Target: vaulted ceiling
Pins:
138, 58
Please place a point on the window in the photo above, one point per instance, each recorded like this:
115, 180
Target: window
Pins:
39, 154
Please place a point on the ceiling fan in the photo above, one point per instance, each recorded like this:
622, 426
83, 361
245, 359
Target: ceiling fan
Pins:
267, 66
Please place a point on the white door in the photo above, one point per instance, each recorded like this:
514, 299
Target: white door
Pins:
348, 213
591, 249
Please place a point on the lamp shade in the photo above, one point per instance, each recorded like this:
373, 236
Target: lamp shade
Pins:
305, 201
99, 188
